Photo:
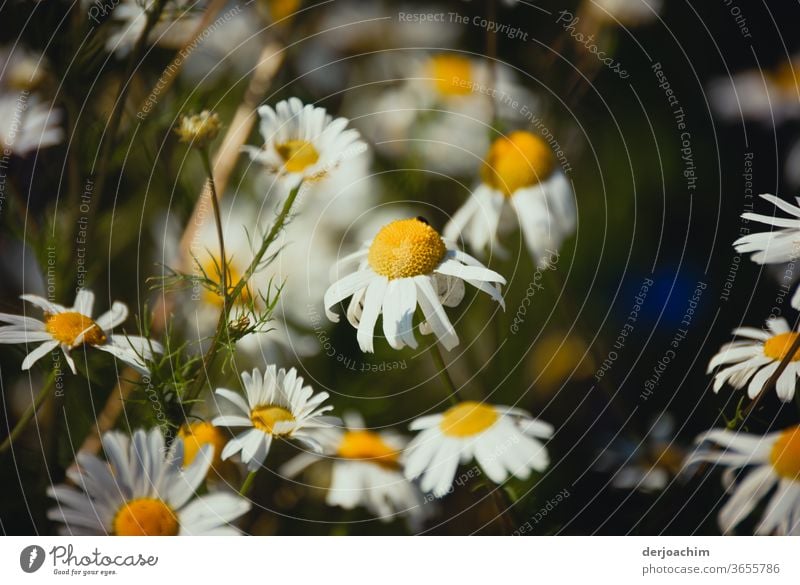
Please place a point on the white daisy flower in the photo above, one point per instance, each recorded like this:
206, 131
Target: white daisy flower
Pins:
69, 328
366, 470
756, 358
407, 264
143, 490
28, 124
769, 96
504, 441
648, 465
520, 177
303, 142
774, 462
777, 246
130, 17
440, 113
278, 405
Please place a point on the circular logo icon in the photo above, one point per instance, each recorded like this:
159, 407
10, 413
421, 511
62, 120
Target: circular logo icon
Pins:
31, 558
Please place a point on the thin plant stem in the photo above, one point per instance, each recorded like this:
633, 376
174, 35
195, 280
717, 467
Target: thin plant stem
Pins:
247, 484
441, 368
773, 379
218, 220
29, 413
222, 324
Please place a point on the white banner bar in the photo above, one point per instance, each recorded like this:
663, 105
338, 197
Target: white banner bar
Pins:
425, 560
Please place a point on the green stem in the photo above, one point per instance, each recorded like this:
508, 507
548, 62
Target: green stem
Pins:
222, 324
248, 483
29, 413
441, 368
218, 220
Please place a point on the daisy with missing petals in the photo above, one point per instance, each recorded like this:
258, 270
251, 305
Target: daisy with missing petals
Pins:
504, 441
278, 406
519, 177
756, 358
774, 462
777, 246
303, 142
141, 491
69, 328
366, 470
407, 264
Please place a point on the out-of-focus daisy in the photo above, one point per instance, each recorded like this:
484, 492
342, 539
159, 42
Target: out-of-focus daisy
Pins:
142, 490
303, 142
27, 124
21, 70
504, 441
72, 327
519, 175
441, 112
129, 18
756, 358
623, 12
647, 466
355, 27
366, 470
765, 95
774, 462
558, 358
777, 246
278, 406
196, 435
407, 264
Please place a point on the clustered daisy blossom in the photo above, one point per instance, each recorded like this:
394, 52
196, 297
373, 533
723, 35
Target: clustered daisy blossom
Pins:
406, 265
519, 178
756, 358
504, 441
773, 461
143, 490
303, 142
72, 327
278, 405
366, 469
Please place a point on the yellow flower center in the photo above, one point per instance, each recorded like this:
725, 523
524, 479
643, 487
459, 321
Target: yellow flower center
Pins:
451, 74
406, 248
196, 436
297, 155
145, 517
778, 346
516, 161
785, 455
368, 446
280, 9
467, 419
787, 78
267, 416
212, 268
66, 327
